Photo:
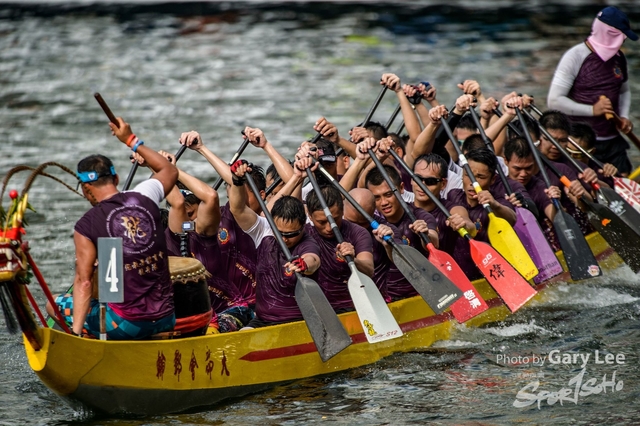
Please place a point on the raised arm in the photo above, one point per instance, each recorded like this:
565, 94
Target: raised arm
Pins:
259, 140
237, 193
193, 140
426, 139
164, 171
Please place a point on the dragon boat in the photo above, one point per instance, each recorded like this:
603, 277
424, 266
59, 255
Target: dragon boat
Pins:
173, 375
152, 377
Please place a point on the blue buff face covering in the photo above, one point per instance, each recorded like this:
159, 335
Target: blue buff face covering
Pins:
92, 175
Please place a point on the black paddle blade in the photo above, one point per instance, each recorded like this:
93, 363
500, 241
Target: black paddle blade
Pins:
325, 327
580, 260
628, 215
616, 233
435, 288
9, 316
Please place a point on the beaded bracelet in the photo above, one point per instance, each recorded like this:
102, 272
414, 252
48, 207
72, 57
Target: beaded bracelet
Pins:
130, 140
134, 148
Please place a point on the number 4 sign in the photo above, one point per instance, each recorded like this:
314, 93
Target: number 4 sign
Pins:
110, 270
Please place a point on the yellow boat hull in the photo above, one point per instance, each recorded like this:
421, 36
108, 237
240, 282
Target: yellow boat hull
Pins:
166, 376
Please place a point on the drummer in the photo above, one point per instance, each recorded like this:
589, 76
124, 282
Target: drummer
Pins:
148, 306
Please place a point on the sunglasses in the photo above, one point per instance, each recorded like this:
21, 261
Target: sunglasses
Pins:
430, 181
291, 234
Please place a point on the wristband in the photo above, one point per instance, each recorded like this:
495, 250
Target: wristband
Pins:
129, 141
134, 148
238, 181
73, 333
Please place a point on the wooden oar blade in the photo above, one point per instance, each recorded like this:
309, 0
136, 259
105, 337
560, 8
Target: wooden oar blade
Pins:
616, 233
512, 288
325, 327
581, 262
629, 190
535, 243
434, 287
471, 303
377, 320
629, 215
504, 239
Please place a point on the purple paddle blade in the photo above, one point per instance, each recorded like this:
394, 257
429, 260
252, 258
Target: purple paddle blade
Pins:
536, 244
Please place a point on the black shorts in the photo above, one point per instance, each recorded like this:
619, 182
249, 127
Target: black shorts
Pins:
614, 151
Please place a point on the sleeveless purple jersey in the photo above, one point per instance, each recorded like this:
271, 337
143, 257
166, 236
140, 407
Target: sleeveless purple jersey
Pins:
275, 293
223, 293
334, 272
596, 78
239, 255
148, 293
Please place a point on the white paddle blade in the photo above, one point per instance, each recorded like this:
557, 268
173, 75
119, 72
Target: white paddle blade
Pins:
629, 190
375, 317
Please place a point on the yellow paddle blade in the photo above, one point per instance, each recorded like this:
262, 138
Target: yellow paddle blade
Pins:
504, 239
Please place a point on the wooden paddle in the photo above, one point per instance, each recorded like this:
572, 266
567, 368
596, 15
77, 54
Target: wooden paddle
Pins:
606, 196
376, 319
500, 233
514, 290
472, 304
527, 227
628, 189
410, 262
442, 293
580, 260
327, 332
112, 118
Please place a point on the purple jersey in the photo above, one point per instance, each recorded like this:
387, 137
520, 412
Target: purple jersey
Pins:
275, 293
223, 293
135, 218
597, 78
334, 273
239, 255
409, 237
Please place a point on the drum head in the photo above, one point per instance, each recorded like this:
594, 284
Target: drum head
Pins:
186, 269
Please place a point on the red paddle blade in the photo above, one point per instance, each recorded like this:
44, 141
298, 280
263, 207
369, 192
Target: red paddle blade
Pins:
471, 303
514, 290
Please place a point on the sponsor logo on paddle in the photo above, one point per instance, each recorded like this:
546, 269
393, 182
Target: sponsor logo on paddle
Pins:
474, 302
617, 207
569, 234
369, 327
606, 221
594, 270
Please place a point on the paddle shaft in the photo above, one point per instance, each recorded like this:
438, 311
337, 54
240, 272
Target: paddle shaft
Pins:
515, 130
396, 192
489, 145
112, 118
537, 156
463, 160
134, 168
267, 215
106, 109
273, 185
235, 157
327, 212
392, 118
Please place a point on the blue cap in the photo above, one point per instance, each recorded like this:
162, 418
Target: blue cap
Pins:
616, 18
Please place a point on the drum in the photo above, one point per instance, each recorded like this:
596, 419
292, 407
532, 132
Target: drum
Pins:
190, 295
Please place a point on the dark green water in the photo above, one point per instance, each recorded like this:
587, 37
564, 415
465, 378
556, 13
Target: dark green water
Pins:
218, 67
